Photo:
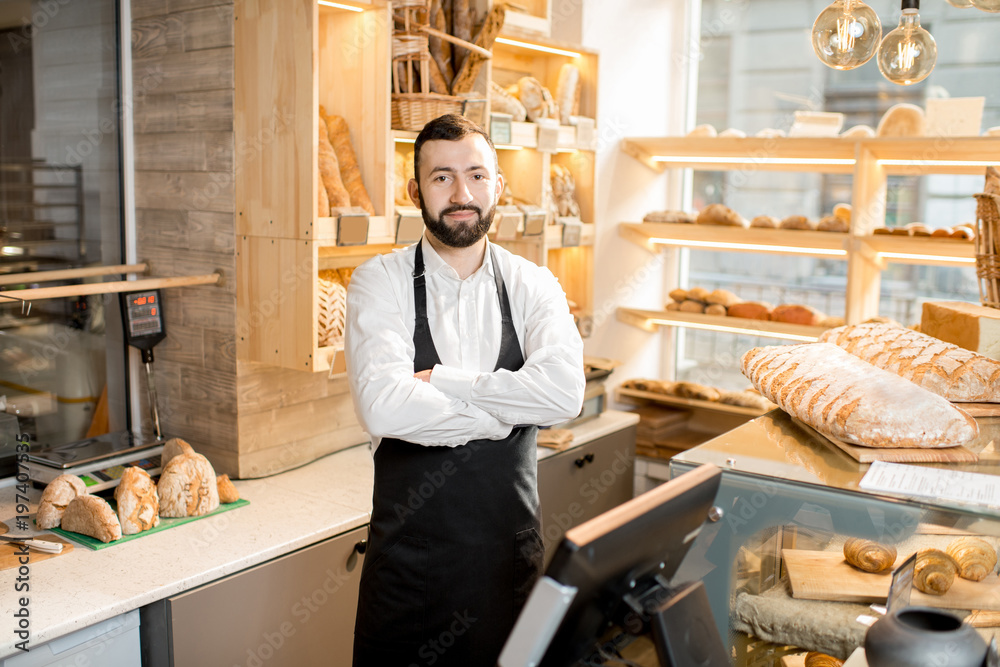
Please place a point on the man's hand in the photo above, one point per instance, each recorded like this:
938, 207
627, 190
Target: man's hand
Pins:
424, 375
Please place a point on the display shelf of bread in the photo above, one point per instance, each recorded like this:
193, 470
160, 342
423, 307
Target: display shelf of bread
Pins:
748, 402
651, 320
187, 487
650, 235
724, 303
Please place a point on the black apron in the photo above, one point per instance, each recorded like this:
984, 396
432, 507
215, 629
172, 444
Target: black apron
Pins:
454, 547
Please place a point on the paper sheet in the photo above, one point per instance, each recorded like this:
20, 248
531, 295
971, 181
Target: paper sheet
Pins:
923, 482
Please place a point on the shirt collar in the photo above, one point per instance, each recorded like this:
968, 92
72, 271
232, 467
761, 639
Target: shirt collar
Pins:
433, 263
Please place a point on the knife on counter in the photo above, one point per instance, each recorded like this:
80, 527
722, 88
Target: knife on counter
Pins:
31, 543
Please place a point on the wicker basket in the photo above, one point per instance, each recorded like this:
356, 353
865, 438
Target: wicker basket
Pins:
988, 248
411, 111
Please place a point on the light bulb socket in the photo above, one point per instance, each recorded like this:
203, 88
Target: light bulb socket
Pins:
910, 4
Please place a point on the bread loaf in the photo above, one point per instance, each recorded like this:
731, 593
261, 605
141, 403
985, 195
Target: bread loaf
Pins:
963, 232
831, 321
719, 214
698, 293
846, 398
832, 223
957, 374
868, 555
917, 229
696, 391
332, 311
568, 92
715, 309
93, 516
675, 217
858, 132
749, 398
678, 294
329, 171
733, 132
751, 310
174, 447
673, 306
797, 222
56, 496
322, 199
766, 222
934, 572
723, 297
350, 172
976, 558
138, 503
903, 120
188, 487
502, 101
535, 98
227, 490
792, 313
692, 306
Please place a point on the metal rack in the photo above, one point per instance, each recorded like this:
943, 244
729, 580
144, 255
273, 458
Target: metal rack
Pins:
41, 212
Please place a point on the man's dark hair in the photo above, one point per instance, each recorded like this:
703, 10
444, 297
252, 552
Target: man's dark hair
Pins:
450, 127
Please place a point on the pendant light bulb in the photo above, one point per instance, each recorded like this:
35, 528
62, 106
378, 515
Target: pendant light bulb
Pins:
961, 4
908, 54
992, 6
846, 34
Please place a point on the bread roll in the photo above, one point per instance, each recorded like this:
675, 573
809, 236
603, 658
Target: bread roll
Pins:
814, 659
791, 313
138, 503
723, 297
174, 447
766, 222
751, 310
918, 229
568, 92
93, 516
673, 306
903, 120
715, 309
843, 211
673, 217
868, 555
56, 496
963, 232
957, 374
697, 391
719, 214
797, 222
698, 294
692, 306
678, 294
832, 223
227, 490
934, 572
188, 487
848, 399
350, 172
976, 558
705, 130
941, 232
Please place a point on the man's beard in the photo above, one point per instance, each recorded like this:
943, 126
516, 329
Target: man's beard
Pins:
462, 235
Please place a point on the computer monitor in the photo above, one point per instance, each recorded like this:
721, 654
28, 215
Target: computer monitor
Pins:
614, 570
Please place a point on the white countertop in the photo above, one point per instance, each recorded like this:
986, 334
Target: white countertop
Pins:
286, 512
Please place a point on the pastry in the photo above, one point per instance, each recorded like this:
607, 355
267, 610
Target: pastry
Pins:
976, 558
723, 297
868, 555
568, 92
350, 172
174, 447
188, 487
674, 217
56, 496
138, 503
797, 222
814, 659
955, 373
751, 310
719, 214
766, 222
502, 101
934, 572
227, 490
93, 516
851, 400
833, 223
903, 120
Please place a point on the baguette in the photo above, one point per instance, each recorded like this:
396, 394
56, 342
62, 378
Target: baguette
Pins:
322, 199
957, 374
350, 172
846, 398
568, 92
329, 171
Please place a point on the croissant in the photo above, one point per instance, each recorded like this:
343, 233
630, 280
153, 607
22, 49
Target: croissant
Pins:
976, 558
814, 659
934, 572
869, 556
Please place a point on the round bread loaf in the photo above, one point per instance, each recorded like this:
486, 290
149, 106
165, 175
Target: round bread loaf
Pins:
56, 496
93, 516
174, 447
765, 222
720, 214
188, 487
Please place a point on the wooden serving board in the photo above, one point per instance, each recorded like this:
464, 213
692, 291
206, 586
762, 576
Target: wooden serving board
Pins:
10, 553
793, 660
896, 454
825, 575
980, 409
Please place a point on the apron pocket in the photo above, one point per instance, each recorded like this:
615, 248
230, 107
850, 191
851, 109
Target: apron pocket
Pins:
393, 593
528, 557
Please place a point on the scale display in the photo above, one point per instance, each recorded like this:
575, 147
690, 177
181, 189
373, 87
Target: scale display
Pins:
143, 318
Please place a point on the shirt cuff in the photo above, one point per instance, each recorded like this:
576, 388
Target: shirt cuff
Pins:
454, 382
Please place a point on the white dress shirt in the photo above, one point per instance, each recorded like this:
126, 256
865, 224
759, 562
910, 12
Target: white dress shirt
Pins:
465, 399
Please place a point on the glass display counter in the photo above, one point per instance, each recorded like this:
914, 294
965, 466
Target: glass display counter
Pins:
773, 565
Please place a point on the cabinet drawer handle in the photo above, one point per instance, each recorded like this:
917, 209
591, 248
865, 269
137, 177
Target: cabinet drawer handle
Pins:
584, 460
361, 546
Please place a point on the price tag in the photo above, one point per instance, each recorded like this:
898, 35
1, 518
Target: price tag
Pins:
352, 229
548, 135
500, 128
586, 135
534, 222
409, 227
507, 227
572, 231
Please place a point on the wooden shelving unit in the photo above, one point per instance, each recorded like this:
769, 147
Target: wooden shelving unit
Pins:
652, 320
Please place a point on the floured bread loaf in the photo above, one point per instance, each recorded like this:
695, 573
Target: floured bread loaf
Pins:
138, 503
947, 370
849, 399
93, 516
56, 496
188, 487
903, 120
174, 447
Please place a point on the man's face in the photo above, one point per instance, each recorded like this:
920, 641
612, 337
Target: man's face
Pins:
458, 189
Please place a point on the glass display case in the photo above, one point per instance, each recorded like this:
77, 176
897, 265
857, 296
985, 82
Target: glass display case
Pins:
773, 565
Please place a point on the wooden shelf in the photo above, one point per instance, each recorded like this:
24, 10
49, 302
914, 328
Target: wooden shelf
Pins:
921, 249
623, 395
651, 320
737, 239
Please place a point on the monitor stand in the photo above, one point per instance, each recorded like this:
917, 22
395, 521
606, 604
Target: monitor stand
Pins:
682, 627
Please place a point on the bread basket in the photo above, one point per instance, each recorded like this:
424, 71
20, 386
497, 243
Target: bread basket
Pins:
988, 248
411, 111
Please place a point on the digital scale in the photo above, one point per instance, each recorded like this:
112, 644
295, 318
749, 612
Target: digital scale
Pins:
100, 461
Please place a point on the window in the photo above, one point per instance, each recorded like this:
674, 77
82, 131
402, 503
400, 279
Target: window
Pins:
62, 363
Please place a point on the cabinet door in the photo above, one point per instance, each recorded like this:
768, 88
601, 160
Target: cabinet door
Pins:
292, 611
583, 482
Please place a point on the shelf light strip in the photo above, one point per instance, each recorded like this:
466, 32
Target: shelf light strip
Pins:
937, 163
337, 5
750, 160
723, 245
508, 147
927, 258
538, 47
404, 140
738, 330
